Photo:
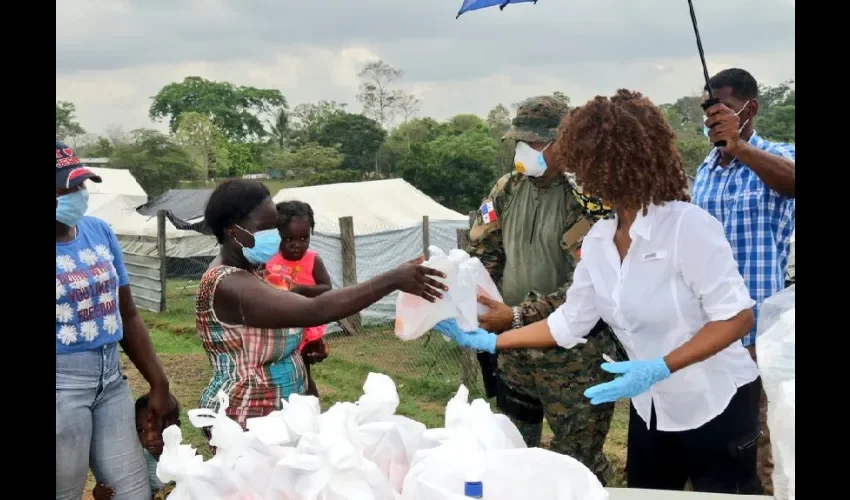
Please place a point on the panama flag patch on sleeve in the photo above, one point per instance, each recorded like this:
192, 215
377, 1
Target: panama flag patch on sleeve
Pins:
488, 213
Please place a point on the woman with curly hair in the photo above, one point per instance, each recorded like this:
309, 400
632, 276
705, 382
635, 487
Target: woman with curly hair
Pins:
661, 273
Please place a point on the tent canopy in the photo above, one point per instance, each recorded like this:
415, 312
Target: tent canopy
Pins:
375, 206
117, 181
184, 204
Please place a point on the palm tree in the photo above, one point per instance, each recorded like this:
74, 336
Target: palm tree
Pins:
279, 128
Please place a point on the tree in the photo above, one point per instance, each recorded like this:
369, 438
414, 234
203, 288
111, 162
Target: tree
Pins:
205, 144
692, 149
307, 160
157, 163
777, 112
244, 158
315, 164
455, 170
95, 147
280, 128
355, 136
403, 138
232, 109
116, 135
685, 117
686, 114
499, 122
379, 101
66, 121
333, 177
310, 118
462, 123
408, 106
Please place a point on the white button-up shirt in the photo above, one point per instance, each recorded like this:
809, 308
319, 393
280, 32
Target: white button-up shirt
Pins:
678, 275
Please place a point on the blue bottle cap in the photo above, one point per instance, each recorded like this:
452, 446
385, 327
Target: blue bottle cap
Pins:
473, 489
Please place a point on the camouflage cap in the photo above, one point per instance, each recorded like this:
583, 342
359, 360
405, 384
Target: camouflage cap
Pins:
537, 119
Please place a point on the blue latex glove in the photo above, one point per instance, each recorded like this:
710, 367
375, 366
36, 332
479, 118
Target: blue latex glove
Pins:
480, 340
637, 377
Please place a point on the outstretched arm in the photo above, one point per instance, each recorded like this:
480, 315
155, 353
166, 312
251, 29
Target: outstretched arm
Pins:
241, 298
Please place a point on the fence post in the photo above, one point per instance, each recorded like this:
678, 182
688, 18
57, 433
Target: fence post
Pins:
351, 324
163, 258
468, 360
426, 237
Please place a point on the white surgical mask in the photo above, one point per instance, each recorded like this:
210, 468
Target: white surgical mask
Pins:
528, 161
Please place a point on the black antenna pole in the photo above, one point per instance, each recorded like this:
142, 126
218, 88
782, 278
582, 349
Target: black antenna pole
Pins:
711, 101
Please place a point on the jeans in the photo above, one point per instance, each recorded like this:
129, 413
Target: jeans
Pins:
96, 427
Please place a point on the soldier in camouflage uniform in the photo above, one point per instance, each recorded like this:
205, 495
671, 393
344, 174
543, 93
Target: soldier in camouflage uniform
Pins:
527, 234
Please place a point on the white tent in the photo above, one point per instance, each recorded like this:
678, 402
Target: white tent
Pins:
375, 206
117, 181
387, 217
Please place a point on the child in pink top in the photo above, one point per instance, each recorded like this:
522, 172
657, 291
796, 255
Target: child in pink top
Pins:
300, 270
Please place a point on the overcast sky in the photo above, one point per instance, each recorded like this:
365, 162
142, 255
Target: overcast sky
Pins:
121, 52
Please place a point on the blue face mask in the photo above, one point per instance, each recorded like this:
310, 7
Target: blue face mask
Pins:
71, 207
266, 244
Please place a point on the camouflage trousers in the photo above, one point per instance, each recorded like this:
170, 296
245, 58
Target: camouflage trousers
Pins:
538, 383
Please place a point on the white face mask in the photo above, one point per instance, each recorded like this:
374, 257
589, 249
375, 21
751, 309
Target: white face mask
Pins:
528, 161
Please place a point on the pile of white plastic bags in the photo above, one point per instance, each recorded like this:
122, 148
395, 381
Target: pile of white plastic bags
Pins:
364, 451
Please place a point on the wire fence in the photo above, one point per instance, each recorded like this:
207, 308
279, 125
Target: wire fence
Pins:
366, 340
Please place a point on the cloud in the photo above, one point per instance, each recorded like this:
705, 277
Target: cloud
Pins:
121, 52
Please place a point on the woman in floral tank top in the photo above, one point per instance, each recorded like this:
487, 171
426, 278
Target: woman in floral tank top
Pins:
250, 329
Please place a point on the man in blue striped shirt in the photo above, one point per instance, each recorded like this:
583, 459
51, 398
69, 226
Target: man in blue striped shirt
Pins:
749, 185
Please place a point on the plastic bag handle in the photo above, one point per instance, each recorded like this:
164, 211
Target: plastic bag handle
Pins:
202, 417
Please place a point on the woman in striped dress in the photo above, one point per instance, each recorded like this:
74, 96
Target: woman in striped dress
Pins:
251, 330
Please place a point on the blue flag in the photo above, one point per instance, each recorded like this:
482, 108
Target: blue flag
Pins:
482, 4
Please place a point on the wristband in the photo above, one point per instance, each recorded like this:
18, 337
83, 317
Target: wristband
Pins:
517, 323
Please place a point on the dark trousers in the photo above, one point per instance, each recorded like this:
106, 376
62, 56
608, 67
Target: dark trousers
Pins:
719, 457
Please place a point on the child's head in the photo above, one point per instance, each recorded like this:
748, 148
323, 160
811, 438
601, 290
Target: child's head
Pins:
295, 224
153, 441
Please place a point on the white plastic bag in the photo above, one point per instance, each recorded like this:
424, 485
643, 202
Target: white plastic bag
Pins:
776, 340
782, 422
371, 426
379, 400
301, 414
323, 467
194, 478
236, 451
271, 429
504, 474
775, 354
471, 426
465, 277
